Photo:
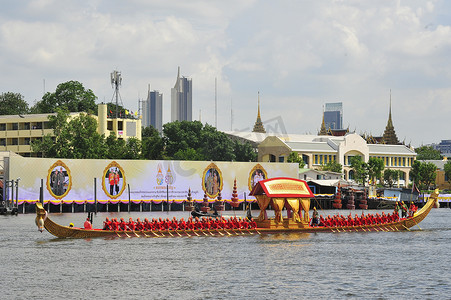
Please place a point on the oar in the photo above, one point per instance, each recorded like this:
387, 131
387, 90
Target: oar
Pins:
178, 232
155, 233
142, 231
137, 235
220, 232
187, 234
211, 233
203, 232
257, 231
170, 233
117, 234
226, 231
405, 227
249, 231
126, 234
196, 233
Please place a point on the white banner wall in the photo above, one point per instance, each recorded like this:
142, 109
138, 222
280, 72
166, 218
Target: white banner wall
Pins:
70, 180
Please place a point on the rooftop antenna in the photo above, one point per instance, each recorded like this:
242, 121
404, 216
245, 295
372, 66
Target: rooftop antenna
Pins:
116, 81
216, 103
231, 114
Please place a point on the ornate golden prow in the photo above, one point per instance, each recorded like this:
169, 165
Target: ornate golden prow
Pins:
41, 216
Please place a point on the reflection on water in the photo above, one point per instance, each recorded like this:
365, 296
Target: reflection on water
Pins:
384, 265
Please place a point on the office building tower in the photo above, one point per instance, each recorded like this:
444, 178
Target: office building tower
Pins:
333, 115
153, 110
181, 99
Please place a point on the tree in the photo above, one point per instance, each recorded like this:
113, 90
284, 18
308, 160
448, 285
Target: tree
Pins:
13, 104
375, 167
428, 153
391, 177
133, 148
181, 136
71, 96
294, 157
185, 138
428, 174
215, 145
332, 166
115, 147
360, 169
244, 151
423, 173
76, 138
152, 144
447, 169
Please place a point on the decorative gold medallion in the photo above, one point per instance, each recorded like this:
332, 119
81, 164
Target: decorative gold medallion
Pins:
113, 183
255, 175
59, 180
212, 181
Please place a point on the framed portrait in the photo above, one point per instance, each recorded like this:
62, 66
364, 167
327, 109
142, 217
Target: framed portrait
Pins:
255, 175
212, 181
113, 180
59, 180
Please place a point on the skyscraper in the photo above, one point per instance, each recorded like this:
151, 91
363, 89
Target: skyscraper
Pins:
333, 115
181, 99
153, 110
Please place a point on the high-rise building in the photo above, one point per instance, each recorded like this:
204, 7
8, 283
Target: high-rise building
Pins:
333, 115
181, 99
153, 110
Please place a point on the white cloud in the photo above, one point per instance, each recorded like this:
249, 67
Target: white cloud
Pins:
298, 54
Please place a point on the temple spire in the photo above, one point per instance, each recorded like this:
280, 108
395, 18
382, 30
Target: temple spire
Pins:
389, 136
258, 126
323, 130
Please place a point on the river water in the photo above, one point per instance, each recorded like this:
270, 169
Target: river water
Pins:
378, 265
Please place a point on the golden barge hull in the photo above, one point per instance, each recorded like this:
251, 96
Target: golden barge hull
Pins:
43, 221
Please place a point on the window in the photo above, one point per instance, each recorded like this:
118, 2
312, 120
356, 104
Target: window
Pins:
109, 125
2, 127
316, 159
281, 159
120, 125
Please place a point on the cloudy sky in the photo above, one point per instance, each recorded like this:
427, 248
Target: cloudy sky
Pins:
298, 54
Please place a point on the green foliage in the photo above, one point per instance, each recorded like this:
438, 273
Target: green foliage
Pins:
70, 96
182, 139
423, 174
447, 169
375, 167
76, 138
13, 104
428, 153
188, 154
152, 144
332, 166
294, 157
244, 151
360, 169
391, 177
215, 145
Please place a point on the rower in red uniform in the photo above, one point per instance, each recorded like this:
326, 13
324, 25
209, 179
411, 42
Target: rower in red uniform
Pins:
139, 225
87, 224
107, 224
131, 224
122, 225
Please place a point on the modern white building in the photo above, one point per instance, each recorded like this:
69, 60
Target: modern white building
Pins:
181, 99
